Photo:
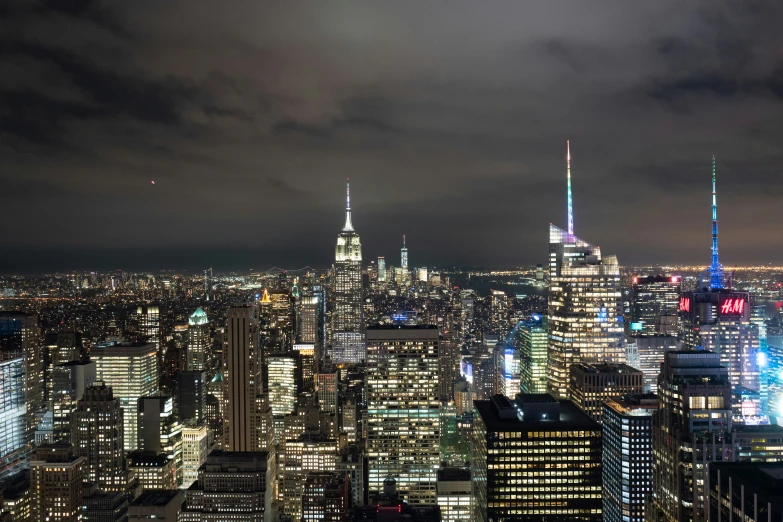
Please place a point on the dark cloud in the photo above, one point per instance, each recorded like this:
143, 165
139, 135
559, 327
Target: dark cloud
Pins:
450, 119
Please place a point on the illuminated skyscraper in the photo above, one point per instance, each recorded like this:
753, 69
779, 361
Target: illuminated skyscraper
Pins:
99, 435
20, 337
199, 341
654, 302
533, 354
14, 444
241, 380
627, 456
347, 315
381, 269
56, 484
131, 370
281, 383
585, 313
403, 421
149, 325
404, 254
590, 384
717, 318
194, 452
534, 458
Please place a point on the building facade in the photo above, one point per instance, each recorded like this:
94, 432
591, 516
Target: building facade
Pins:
403, 421
590, 384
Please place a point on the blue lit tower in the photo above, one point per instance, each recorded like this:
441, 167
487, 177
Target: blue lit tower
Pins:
347, 319
584, 319
717, 318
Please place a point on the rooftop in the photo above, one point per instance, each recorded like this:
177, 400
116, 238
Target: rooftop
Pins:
157, 497
570, 418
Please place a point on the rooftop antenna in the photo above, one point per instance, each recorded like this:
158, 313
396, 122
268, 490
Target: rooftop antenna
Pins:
570, 195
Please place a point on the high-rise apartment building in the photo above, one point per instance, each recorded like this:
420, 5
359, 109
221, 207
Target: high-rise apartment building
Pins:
347, 315
231, 486
627, 456
131, 369
241, 380
20, 337
654, 305
533, 354
690, 429
199, 342
403, 423
584, 320
535, 458
56, 476
591, 384
98, 435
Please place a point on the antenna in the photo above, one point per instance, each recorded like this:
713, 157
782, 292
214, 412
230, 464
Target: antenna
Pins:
348, 225
716, 270
570, 195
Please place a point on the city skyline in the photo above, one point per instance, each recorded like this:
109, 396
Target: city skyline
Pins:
443, 144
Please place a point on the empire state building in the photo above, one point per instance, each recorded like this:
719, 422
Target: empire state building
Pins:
347, 319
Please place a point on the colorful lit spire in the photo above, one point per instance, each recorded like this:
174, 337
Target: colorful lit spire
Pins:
348, 225
570, 195
716, 270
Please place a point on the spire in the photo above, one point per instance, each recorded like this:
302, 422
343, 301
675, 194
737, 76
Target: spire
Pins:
404, 254
403, 240
348, 225
570, 196
716, 270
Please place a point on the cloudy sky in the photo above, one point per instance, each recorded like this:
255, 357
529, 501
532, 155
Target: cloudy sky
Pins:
449, 117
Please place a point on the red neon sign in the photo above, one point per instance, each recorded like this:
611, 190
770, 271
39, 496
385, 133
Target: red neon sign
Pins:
732, 306
685, 304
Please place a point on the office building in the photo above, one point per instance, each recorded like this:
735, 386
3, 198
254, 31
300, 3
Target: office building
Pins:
584, 322
328, 379
157, 505
195, 444
160, 430
449, 358
590, 384
533, 354
308, 307
690, 429
403, 422
149, 326
351, 464
454, 494
627, 456
388, 505
69, 382
508, 371
347, 314
20, 337
199, 342
326, 497
153, 470
654, 305
745, 492
192, 395
231, 486
131, 369
536, 458
463, 397
99, 435
56, 476
381, 269
104, 506
14, 443
241, 380
16, 496
651, 351
282, 383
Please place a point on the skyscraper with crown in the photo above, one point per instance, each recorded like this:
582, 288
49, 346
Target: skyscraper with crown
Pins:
717, 318
347, 318
585, 315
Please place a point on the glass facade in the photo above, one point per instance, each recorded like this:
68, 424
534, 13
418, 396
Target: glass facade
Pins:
585, 322
14, 446
533, 354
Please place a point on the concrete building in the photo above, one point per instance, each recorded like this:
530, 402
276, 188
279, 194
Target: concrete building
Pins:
591, 384
56, 476
157, 505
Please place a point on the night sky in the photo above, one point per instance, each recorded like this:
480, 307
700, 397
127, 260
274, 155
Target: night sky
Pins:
450, 118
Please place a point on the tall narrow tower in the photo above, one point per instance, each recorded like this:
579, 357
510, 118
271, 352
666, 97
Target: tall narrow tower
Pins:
347, 319
404, 254
716, 270
584, 321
